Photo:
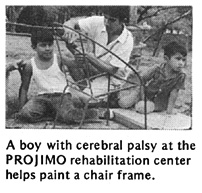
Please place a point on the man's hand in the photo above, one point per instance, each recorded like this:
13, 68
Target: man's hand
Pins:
69, 35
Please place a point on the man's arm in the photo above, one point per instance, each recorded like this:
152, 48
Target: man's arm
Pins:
69, 34
97, 65
73, 23
101, 65
25, 81
87, 25
171, 101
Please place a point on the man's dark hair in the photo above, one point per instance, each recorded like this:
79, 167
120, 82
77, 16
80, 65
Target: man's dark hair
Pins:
119, 12
41, 35
173, 48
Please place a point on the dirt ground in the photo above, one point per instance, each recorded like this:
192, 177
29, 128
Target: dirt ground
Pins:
20, 48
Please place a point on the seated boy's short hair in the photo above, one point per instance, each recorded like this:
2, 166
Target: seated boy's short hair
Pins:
173, 48
119, 12
41, 35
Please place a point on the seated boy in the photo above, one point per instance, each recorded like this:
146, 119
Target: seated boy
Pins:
164, 82
46, 70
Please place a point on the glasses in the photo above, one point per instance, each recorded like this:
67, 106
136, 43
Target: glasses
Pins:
111, 19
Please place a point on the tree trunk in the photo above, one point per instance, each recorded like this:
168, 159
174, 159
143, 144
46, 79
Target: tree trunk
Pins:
158, 43
13, 14
133, 15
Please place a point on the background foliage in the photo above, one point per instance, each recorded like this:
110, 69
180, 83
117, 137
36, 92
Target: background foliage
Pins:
162, 19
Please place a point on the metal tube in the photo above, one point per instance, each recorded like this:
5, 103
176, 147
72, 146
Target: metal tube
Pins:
141, 81
108, 89
63, 93
86, 65
145, 106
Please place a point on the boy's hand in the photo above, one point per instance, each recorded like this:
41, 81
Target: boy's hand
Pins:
20, 66
17, 65
13, 65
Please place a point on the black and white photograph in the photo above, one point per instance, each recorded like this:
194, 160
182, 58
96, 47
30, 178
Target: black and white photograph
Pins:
99, 67
101, 97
